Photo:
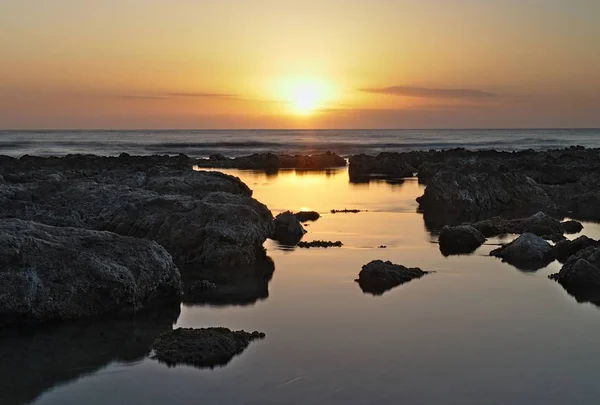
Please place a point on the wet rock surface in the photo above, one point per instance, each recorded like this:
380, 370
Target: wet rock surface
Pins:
567, 248
469, 186
205, 220
206, 347
305, 216
270, 161
580, 275
55, 273
538, 224
377, 276
461, 239
287, 229
320, 244
528, 252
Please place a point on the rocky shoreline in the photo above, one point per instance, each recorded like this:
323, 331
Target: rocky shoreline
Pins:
142, 230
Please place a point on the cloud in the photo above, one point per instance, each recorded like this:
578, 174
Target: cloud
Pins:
162, 96
425, 92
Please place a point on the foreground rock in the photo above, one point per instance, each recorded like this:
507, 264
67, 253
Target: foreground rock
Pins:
38, 359
207, 221
377, 276
51, 273
207, 347
580, 275
320, 244
567, 248
270, 161
288, 229
460, 239
305, 216
527, 252
538, 224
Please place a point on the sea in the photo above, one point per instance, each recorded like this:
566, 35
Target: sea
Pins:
474, 331
242, 142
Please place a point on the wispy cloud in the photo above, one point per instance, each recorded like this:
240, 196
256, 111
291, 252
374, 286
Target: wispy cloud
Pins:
426, 92
171, 95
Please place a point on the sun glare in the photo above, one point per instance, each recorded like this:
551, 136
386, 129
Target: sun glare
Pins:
305, 97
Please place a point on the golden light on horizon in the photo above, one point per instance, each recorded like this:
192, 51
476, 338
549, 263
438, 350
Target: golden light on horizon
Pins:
306, 96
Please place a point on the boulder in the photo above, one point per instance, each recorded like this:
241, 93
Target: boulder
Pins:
386, 165
572, 226
456, 197
527, 252
580, 275
538, 224
287, 229
305, 216
206, 347
567, 248
461, 239
54, 273
377, 276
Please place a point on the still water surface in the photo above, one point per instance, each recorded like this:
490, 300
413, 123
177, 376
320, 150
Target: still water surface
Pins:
477, 331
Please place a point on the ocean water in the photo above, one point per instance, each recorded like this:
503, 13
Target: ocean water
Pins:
236, 143
475, 332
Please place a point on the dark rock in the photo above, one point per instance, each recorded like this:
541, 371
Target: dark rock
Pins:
527, 252
385, 165
305, 216
382, 247
572, 226
567, 248
378, 276
452, 197
580, 275
206, 347
37, 359
538, 224
345, 211
288, 230
319, 243
52, 273
459, 239
270, 161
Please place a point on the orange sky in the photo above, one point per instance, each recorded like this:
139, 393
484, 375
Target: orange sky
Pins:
299, 64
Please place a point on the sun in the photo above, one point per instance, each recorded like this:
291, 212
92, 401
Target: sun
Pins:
305, 97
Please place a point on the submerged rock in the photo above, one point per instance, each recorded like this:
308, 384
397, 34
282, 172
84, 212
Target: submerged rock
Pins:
567, 248
377, 276
206, 347
288, 229
580, 275
527, 252
305, 216
572, 226
345, 211
54, 273
320, 243
460, 239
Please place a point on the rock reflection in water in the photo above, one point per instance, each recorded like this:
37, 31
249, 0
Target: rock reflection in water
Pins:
34, 360
232, 287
